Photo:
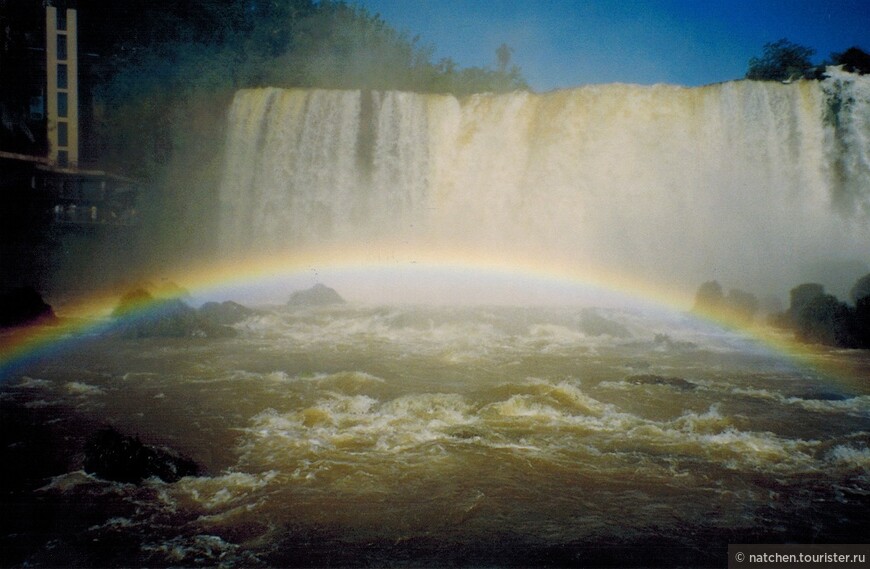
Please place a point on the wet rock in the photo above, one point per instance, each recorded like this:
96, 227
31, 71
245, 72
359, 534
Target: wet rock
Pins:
665, 341
139, 315
113, 456
651, 379
225, 313
23, 306
593, 324
318, 295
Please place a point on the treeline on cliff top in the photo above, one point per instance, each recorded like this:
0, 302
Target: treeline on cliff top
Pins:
784, 60
162, 75
162, 64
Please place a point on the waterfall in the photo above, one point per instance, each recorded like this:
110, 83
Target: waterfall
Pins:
742, 181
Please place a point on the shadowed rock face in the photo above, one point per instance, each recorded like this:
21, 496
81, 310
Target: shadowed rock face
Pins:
139, 315
225, 313
318, 295
113, 456
22, 306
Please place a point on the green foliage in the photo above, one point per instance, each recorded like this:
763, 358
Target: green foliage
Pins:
166, 77
163, 64
861, 289
853, 60
782, 61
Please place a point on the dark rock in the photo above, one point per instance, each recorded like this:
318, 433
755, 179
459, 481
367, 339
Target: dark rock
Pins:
665, 341
709, 298
113, 456
651, 379
133, 300
225, 313
826, 320
318, 295
801, 295
593, 324
861, 289
738, 307
139, 315
22, 306
820, 318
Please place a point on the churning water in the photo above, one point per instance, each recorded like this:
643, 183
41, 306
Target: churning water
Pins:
391, 436
386, 435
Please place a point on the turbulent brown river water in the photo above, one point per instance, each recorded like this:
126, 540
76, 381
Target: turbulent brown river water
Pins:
387, 436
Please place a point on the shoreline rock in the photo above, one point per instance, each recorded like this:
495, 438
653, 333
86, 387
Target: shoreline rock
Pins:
24, 307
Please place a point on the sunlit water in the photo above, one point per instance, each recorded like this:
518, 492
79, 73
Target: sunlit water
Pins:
439, 436
752, 183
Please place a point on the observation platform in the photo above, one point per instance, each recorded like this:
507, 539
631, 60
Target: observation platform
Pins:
67, 197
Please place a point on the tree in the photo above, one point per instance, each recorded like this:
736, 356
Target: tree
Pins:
782, 61
503, 55
853, 60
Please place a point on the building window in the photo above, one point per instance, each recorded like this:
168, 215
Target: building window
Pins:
61, 20
37, 108
63, 158
61, 47
62, 81
62, 133
62, 105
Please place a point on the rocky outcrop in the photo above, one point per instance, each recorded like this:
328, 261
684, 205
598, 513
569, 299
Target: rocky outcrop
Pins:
225, 313
821, 318
113, 456
318, 295
139, 315
24, 306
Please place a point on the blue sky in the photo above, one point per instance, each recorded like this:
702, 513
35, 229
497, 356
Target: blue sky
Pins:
566, 43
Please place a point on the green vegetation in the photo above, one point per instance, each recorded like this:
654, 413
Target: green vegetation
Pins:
161, 66
853, 60
166, 76
783, 60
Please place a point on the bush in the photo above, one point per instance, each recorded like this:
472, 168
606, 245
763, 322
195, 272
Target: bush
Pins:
853, 60
782, 61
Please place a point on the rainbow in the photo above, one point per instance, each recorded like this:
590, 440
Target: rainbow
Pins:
286, 271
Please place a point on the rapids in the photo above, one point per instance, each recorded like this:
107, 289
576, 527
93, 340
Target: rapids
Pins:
385, 435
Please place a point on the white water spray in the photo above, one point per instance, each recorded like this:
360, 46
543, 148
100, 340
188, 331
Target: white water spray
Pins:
743, 181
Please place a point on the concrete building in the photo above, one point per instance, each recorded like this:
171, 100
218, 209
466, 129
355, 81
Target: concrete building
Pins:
45, 176
62, 86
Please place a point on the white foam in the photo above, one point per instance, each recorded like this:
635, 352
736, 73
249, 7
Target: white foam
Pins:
850, 456
225, 490
32, 383
79, 388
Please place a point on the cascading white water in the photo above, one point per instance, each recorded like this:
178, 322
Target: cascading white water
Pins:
741, 181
